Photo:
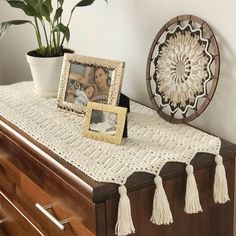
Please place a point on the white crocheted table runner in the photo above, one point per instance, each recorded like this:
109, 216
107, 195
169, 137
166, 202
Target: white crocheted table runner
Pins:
152, 142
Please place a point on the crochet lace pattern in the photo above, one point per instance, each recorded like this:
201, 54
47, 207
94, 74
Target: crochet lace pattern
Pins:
152, 142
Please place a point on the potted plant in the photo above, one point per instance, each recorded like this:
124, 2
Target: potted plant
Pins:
51, 34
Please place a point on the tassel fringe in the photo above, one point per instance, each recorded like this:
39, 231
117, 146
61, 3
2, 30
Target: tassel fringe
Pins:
220, 190
192, 202
124, 224
161, 214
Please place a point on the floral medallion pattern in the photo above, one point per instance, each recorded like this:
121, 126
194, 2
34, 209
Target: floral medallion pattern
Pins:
182, 68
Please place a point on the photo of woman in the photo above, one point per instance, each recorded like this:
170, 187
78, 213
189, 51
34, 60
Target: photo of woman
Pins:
102, 82
87, 83
88, 79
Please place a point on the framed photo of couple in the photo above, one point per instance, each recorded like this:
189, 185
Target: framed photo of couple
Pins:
88, 79
104, 122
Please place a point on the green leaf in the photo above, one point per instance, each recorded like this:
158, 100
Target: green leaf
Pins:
4, 26
30, 7
16, 4
33, 3
57, 14
37, 6
61, 2
64, 29
47, 9
28, 10
84, 3
48, 3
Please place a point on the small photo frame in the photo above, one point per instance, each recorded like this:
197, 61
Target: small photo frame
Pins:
85, 79
104, 122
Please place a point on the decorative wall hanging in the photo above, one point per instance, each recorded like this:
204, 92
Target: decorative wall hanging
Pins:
86, 79
183, 69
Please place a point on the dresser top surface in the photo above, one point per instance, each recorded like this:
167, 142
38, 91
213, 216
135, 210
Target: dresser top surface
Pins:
93, 190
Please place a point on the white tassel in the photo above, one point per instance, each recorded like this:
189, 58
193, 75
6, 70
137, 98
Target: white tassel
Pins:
161, 214
220, 191
124, 224
192, 202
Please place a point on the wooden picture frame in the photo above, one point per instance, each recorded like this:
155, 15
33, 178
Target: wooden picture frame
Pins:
85, 79
104, 122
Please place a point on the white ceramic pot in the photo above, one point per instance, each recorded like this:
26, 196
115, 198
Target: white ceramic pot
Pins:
46, 73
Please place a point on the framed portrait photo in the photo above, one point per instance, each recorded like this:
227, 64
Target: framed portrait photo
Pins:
85, 79
104, 122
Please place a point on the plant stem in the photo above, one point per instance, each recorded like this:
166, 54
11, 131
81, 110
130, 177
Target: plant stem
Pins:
63, 39
58, 32
36, 26
54, 39
46, 36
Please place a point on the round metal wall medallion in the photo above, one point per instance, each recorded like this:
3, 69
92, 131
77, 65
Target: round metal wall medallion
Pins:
183, 69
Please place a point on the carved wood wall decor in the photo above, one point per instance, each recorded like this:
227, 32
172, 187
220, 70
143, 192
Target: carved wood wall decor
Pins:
183, 69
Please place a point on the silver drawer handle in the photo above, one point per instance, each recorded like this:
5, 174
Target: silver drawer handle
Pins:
43, 209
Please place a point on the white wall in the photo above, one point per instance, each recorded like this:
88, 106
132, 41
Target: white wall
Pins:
13, 47
124, 30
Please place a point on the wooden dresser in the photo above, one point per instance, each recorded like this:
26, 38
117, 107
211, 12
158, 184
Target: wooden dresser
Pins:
40, 194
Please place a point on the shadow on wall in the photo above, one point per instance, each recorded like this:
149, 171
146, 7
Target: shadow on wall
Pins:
13, 47
218, 116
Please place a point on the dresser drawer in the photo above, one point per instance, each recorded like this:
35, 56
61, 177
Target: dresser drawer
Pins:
13, 221
50, 211
34, 187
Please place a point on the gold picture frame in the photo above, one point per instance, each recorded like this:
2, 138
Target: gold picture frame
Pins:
85, 79
104, 122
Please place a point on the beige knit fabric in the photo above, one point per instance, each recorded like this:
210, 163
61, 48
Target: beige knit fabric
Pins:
151, 141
